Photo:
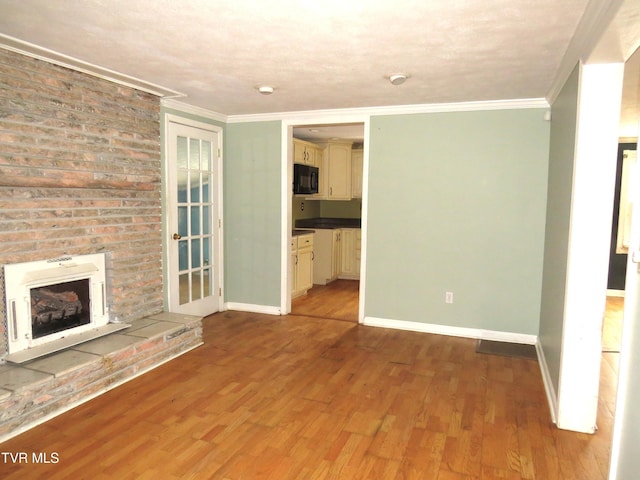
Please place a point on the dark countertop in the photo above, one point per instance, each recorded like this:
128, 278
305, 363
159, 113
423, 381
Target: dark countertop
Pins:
328, 223
296, 232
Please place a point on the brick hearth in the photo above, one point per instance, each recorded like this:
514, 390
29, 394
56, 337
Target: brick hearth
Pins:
40, 389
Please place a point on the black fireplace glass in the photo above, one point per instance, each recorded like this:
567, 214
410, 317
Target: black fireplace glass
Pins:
59, 307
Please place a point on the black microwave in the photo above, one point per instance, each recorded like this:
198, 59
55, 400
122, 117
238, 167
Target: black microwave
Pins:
305, 179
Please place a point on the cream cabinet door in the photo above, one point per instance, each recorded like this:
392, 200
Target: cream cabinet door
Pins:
336, 258
302, 264
356, 173
326, 248
304, 269
350, 258
304, 152
339, 170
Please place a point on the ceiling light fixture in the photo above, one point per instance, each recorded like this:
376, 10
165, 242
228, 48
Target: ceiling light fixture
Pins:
265, 89
397, 78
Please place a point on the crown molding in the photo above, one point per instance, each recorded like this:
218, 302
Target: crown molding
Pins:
356, 114
40, 53
595, 21
193, 110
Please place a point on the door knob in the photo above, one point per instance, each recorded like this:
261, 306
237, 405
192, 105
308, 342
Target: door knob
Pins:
177, 236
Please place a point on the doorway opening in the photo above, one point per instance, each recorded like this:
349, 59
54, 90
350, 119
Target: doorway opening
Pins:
333, 216
620, 247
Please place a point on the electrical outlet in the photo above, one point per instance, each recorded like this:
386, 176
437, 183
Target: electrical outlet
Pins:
448, 297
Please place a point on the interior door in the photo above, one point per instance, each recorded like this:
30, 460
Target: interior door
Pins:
194, 225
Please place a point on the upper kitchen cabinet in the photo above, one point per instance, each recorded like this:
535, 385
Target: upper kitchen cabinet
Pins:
337, 171
305, 153
356, 172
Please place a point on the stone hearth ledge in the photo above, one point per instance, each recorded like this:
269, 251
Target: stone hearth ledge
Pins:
35, 391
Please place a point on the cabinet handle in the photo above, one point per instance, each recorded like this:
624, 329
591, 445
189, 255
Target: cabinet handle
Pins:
296, 259
313, 256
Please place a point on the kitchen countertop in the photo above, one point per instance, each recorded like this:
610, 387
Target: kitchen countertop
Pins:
329, 223
296, 232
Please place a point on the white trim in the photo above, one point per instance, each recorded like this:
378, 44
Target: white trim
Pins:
40, 53
173, 118
248, 307
193, 110
587, 262
70, 406
436, 329
594, 22
286, 219
550, 391
325, 116
364, 220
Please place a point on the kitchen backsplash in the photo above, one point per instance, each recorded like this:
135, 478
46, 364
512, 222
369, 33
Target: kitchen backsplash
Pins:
325, 209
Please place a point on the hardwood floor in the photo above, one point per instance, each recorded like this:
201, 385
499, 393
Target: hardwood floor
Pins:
612, 325
299, 397
337, 300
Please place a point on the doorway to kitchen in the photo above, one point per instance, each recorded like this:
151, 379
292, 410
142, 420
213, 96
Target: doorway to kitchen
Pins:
331, 219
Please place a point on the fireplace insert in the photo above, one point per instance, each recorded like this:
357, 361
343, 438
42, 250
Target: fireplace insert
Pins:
59, 307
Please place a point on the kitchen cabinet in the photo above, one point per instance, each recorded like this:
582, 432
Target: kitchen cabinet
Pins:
302, 260
322, 183
327, 255
304, 152
350, 239
356, 173
335, 171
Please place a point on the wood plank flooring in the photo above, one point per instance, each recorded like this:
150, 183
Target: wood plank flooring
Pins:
300, 397
612, 325
338, 300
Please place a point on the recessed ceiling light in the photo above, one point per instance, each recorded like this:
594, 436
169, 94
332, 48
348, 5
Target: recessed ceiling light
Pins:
397, 78
265, 89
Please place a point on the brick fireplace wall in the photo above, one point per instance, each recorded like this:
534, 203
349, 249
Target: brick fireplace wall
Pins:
80, 173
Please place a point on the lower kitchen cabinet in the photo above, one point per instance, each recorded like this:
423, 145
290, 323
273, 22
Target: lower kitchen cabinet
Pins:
302, 260
337, 254
327, 256
350, 239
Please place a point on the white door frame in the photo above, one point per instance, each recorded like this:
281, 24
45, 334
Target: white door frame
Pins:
286, 200
218, 247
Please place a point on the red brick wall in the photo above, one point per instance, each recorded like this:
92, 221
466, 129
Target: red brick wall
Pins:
80, 173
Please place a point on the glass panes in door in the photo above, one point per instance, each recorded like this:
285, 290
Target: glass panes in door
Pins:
194, 209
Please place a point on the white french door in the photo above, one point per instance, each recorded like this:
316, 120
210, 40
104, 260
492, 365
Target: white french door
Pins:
194, 217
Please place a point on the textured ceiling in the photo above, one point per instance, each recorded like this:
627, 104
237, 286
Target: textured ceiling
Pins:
317, 54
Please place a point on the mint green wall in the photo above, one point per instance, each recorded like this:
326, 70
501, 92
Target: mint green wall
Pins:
252, 186
560, 184
457, 203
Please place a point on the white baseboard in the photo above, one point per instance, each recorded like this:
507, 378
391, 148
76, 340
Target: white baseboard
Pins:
615, 293
552, 397
451, 331
248, 307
